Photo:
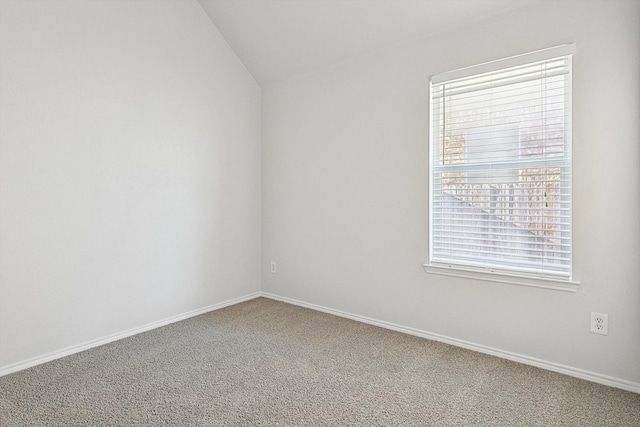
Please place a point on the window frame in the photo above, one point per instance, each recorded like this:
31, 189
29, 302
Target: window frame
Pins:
502, 274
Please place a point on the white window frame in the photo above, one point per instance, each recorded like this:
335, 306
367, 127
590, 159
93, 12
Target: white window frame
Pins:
501, 274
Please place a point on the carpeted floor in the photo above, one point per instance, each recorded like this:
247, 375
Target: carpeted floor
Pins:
266, 363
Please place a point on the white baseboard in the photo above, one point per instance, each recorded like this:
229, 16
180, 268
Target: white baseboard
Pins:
15, 367
550, 366
555, 367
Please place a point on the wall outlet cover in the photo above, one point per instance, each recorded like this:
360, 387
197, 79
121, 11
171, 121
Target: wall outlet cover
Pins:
599, 323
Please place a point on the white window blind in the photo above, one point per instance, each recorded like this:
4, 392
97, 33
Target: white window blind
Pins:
500, 175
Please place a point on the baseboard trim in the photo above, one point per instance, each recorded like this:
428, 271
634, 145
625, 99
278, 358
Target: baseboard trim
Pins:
532, 361
15, 367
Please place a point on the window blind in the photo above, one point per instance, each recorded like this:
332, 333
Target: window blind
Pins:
500, 175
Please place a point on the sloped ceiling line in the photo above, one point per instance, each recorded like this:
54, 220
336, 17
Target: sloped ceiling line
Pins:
277, 39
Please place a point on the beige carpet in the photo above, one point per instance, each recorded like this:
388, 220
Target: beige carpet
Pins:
266, 363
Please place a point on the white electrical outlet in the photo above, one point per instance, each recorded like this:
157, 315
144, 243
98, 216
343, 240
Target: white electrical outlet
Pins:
273, 267
599, 323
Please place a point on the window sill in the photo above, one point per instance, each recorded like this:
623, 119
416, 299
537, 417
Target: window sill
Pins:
537, 282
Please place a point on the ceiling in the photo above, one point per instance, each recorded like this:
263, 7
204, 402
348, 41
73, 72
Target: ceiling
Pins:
277, 39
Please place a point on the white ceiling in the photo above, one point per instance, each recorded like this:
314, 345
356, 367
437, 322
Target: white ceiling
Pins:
277, 39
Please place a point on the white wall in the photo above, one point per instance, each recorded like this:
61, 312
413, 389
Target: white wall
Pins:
345, 204
130, 170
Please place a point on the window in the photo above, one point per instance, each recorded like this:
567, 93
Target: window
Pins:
500, 167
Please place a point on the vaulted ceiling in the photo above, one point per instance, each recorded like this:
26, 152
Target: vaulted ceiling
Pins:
277, 39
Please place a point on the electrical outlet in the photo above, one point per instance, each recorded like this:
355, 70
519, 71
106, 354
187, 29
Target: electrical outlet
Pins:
599, 323
273, 267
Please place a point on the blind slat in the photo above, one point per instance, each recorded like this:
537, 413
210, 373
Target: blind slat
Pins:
442, 90
514, 61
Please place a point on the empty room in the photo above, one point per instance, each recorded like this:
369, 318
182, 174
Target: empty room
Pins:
320, 212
